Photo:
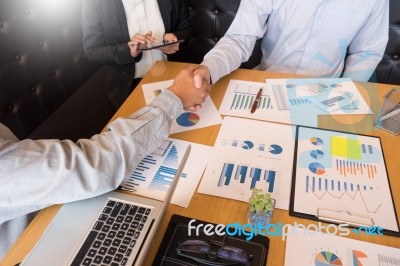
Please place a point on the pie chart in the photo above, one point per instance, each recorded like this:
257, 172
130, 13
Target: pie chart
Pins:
247, 145
316, 141
188, 119
317, 168
317, 154
326, 258
275, 149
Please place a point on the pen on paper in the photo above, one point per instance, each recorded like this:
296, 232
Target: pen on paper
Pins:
255, 103
392, 113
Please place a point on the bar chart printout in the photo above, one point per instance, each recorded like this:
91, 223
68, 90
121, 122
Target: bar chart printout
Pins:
245, 159
161, 165
240, 96
246, 175
155, 173
319, 249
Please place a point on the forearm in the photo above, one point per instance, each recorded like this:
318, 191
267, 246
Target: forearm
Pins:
238, 43
228, 54
117, 55
368, 46
49, 172
361, 66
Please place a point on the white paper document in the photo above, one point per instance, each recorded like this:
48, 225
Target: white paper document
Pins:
154, 174
240, 96
206, 116
293, 101
341, 173
251, 154
308, 248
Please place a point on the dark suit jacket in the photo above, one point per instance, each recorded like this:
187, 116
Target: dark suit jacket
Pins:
106, 35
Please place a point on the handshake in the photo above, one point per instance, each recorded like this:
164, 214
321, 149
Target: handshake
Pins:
192, 86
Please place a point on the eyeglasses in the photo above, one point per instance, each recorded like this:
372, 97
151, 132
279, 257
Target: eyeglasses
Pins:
201, 251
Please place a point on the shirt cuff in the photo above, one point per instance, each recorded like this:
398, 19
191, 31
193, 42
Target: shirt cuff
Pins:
214, 74
170, 103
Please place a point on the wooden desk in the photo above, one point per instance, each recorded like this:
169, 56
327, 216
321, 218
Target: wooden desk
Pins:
221, 210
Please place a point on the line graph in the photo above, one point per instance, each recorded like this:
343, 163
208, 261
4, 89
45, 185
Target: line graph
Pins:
311, 189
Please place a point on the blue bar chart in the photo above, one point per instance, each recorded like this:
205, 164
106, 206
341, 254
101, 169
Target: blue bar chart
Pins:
315, 184
247, 155
234, 175
157, 170
245, 95
167, 171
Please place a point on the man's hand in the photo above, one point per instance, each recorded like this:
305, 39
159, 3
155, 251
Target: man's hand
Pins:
202, 75
140, 41
183, 87
170, 49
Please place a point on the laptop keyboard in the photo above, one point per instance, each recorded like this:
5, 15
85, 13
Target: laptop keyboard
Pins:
114, 235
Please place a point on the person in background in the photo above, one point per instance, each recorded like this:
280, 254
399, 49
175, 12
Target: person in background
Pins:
115, 31
35, 174
312, 38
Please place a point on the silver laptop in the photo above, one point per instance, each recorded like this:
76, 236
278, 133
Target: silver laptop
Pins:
116, 228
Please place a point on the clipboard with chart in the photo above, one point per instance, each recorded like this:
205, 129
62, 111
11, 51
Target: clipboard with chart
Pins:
341, 178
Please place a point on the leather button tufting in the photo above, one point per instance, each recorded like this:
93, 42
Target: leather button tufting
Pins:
396, 56
216, 11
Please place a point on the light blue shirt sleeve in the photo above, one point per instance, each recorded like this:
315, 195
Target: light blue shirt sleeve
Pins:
38, 173
35, 174
236, 46
312, 38
368, 46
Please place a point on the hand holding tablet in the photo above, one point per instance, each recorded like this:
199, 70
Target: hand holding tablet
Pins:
159, 45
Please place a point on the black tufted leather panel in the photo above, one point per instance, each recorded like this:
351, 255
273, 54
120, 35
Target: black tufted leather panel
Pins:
210, 20
388, 70
42, 65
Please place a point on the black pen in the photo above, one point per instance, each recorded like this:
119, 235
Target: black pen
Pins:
255, 103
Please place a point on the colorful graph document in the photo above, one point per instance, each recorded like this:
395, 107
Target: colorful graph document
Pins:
316, 249
154, 174
342, 176
206, 116
250, 154
323, 96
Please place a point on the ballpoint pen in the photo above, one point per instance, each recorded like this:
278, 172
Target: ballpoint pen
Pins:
255, 103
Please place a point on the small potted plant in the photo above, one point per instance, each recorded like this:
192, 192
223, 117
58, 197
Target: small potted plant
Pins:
261, 207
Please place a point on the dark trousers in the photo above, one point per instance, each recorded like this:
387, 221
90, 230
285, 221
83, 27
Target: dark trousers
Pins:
119, 85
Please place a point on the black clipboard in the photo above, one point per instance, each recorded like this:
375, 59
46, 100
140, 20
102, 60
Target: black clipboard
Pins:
337, 216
